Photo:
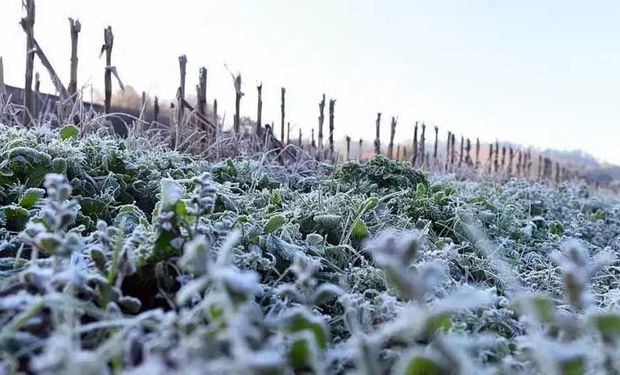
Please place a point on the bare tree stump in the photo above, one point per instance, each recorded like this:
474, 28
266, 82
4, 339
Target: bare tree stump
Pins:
75, 27
392, 134
378, 134
28, 26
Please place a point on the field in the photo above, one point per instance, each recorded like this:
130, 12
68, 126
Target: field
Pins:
118, 256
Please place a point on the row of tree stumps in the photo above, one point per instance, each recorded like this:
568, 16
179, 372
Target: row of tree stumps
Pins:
504, 160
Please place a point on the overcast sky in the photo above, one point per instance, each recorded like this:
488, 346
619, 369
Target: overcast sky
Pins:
545, 73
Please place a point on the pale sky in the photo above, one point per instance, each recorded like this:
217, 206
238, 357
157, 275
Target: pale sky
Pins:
542, 73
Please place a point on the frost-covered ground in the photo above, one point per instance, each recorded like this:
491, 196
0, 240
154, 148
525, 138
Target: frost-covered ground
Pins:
120, 257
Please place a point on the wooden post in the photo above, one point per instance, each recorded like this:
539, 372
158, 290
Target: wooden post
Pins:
108, 39
414, 158
405, 153
436, 143
490, 157
468, 153
348, 139
259, 108
28, 26
520, 163
448, 144
332, 103
462, 151
313, 142
398, 152
377, 134
238, 95
321, 121
75, 28
201, 91
477, 152
423, 144
540, 165
557, 172
2, 86
511, 156
155, 109
392, 133
300, 140
37, 94
215, 120
359, 156
282, 112
496, 156
503, 157
288, 132
453, 156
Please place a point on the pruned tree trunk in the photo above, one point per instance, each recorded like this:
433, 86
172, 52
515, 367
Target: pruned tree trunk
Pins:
468, 153
108, 43
201, 91
155, 109
477, 152
321, 121
28, 26
332, 104
490, 158
238, 95
462, 151
414, 158
259, 109
436, 144
423, 145
348, 154
75, 28
378, 134
282, 112
392, 134
359, 156
496, 156
448, 147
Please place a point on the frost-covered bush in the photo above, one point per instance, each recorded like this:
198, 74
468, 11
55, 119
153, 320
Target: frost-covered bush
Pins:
119, 257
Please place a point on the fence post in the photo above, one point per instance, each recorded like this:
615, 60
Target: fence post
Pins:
2, 87
477, 152
288, 133
201, 91
75, 27
511, 156
215, 120
300, 140
155, 109
392, 133
414, 158
259, 108
378, 134
468, 153
282, 112
238, 95
436, 144
359, 157
108, 43
423, 145
332, 103
496, 156
503, 157
321, 121
490, 158
397, 152
28, 26
448, 144
313, 144
348, 139
37, 94
453, 152
462, 151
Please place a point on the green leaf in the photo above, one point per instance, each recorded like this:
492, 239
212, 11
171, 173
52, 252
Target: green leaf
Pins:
15, 217
556, 228
69, 132
435, 323
608, 325
422, 365
302, 320
368, 205
359, 231
274, 223
301, 354
31, 197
